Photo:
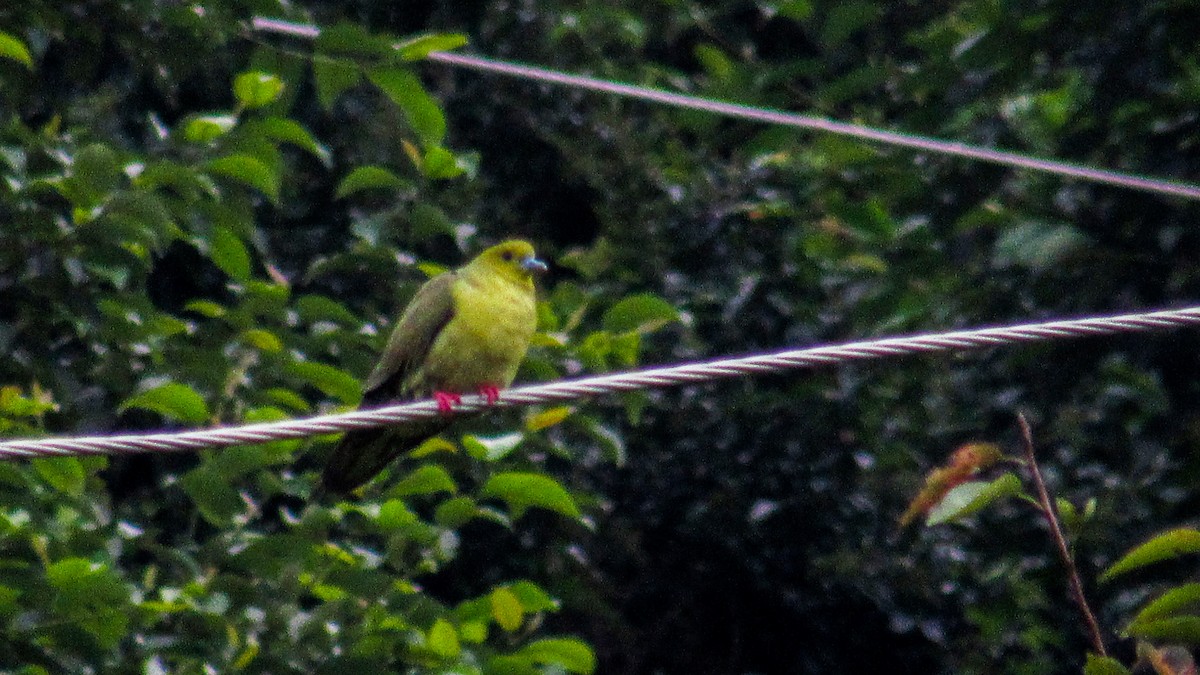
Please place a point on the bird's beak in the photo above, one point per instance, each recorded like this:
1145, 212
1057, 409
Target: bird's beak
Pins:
533, 265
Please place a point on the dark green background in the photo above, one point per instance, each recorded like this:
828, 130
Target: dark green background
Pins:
752, 526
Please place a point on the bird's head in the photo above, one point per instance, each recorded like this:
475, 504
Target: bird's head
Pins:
514, 259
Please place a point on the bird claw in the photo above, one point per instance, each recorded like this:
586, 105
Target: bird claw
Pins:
446, 400
490, 392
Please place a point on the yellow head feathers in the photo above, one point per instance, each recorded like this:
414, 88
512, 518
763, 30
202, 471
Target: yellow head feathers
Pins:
514, 259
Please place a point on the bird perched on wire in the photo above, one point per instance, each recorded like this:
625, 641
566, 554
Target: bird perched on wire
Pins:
464, 331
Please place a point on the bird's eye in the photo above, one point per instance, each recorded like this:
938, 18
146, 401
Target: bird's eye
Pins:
507, 255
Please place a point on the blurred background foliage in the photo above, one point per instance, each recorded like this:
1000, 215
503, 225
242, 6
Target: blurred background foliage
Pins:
202, 225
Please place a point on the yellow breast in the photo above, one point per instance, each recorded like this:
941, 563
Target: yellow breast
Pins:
487, 338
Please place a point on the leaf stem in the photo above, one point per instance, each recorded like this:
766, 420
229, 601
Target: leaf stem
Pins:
1059, 538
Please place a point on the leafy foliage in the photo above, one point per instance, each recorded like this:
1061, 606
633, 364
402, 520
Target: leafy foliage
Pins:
1178, 542
204, 225
169, 305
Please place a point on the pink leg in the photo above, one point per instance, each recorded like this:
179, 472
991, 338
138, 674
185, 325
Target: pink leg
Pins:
446, 400
491, 392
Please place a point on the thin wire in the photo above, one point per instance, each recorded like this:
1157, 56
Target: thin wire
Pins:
571, 390
784, 118
813, 122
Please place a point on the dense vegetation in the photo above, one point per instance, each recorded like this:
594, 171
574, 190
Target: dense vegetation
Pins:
204, 224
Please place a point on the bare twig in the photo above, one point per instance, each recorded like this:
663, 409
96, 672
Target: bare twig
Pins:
1060, 539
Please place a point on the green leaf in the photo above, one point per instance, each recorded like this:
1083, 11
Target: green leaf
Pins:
405, 90
1103, 665
265, 299
206, 308
96, 173
642, 313
1183, 630
14, 49
532, 597
145, 211
594, 350
64, 474
971, 497
431, 270
332, 77
420, 46
91, 595
524, 490
431, 446
474, 632
491, 448
572, 655
231, 463
257, 89
1067, 513
591, 263
188, 182
173, 400
624, 349
611, 442
441, 164
456, 512
717, 65
1039, 246
314, 308
1182, 541
262, 340
443, 639
395, 515
208, 128
425, 480
329, 380
506, 609
229, 254
14, 403
214, 497
798, 10
846, 18
8, 601
1174, 601
370, 178
289, 131
250, 171
289, 398
429, 221
548, 418
351, 38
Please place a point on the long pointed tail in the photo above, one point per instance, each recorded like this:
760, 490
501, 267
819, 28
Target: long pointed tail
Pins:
362, 454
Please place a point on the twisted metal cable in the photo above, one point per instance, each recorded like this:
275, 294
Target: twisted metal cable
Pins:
570, 390
779, 117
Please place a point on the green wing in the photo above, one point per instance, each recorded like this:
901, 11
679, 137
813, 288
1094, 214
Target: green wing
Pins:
397, 376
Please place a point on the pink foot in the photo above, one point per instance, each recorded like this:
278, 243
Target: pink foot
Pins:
446, 400
491, 392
